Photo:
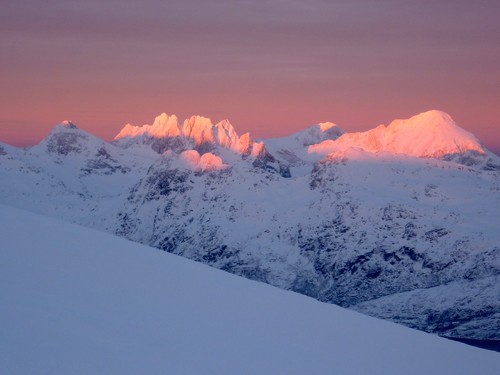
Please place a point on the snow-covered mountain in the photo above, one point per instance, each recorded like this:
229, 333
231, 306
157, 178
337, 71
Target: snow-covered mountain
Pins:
400, 222
196, 133
431, 134
76, 301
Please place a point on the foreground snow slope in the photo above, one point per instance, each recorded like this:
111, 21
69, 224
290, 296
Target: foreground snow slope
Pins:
78, 301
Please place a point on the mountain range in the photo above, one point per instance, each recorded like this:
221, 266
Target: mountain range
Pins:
399, 222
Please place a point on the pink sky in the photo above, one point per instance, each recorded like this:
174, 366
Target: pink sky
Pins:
270, 67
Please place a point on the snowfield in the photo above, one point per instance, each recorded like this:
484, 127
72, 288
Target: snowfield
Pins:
79, 301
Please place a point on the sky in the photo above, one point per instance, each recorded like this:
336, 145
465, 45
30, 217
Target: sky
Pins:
270, 67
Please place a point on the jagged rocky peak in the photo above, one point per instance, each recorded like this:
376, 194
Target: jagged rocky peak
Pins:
264, 160
196, 132
259, 150
226, 135
68, 124
65, 138
330, 130
245, 144
166, 126
64, 126
200, 129
130, 131
429, 134
163, 126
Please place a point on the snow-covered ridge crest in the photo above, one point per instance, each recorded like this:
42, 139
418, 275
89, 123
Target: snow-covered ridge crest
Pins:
198, 130
163, 126
430, 134
309, 136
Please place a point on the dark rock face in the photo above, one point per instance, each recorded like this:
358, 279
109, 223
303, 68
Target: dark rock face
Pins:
176, 144
474, 159
167, 182
65, 143
103, 163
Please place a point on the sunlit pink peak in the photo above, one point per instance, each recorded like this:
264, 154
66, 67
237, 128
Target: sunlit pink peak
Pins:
130, 130
258, 149
225, 124
63, 126
203, 163
225, 134
68, 124
432, 133
163, 126
434, 121
199, 129
324, 126
429, 134
245, 144
330, 130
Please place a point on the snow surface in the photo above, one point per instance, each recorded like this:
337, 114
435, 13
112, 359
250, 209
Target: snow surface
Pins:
429, 134
78, 301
